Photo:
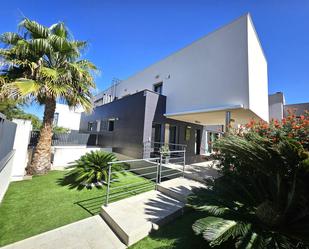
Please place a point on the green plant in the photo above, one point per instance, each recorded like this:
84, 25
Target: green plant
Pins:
92, 168
165, 150
42, 64
60, 130
262, 199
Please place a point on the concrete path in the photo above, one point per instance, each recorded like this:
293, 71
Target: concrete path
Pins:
197, 171
134, 218
90, 233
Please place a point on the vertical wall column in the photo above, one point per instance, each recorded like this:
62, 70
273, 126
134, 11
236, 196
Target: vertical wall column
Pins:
227, 121
21, 142
150, 110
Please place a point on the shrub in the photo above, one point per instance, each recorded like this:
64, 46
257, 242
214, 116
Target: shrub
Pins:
262, 199
92, 168
293, 127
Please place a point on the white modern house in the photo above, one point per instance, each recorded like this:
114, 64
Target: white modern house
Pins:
67, 117
217, 81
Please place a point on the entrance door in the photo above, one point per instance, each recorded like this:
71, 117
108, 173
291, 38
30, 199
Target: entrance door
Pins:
197, 142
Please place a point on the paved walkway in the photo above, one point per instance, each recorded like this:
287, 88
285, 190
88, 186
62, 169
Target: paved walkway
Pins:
90, 233
198, 171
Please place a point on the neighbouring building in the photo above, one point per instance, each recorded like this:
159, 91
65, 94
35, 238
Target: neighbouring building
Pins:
278, 109
67, 117
189, 98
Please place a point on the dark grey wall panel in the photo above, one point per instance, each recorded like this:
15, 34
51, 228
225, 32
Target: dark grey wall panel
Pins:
134, 116
127, 137
7, 136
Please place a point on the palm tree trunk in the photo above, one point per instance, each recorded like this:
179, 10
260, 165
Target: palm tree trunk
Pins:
42, 153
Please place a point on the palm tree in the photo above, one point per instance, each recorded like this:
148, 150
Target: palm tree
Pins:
41, 64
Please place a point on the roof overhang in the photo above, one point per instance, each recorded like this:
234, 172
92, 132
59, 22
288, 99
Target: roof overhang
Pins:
214, 116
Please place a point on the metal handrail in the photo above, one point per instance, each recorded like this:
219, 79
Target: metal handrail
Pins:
184, 145
129, 170
158, 172
135, 160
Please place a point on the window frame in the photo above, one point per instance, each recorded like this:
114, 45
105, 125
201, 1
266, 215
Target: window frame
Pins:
159, 84
111, 121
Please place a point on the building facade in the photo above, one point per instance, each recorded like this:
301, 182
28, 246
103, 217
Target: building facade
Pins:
190, 97
278, 109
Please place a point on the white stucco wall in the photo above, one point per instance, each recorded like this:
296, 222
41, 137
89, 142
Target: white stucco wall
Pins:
225, 68
63, 156
210, 72
21, 142
276, 105
258, 77
68, 118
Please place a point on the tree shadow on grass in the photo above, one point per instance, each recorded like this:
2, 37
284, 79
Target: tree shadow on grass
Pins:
177, 234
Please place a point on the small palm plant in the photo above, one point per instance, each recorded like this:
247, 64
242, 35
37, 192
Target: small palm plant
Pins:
92, 168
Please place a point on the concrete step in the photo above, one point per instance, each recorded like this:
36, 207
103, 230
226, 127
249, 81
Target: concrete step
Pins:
179, 188
133, 218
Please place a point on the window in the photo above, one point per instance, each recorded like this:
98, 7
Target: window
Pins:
90, 126
111, 124
158, 88
56, 117
188, 133
103, 126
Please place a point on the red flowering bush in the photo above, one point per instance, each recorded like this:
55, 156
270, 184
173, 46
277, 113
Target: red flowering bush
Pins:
293, 127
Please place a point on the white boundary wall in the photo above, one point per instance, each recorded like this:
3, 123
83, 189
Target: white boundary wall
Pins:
21, 142
5, 173
63, 156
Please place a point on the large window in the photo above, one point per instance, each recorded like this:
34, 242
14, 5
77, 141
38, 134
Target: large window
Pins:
158, 88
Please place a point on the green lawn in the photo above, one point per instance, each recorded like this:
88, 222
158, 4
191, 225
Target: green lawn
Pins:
34, 206
177, 234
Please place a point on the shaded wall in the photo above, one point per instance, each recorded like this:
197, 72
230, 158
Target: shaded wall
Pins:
127, 137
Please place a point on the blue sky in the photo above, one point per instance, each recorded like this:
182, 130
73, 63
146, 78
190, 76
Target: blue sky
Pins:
126, 36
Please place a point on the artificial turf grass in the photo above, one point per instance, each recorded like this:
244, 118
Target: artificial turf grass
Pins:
178, 234
34, 206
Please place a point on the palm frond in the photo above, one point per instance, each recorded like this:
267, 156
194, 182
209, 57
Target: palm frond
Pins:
217, 230
60, 30
10, 38
34, 29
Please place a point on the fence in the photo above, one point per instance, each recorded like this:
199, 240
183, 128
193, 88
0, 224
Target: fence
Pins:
145, 174
152, 149
71, 138
7, 136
